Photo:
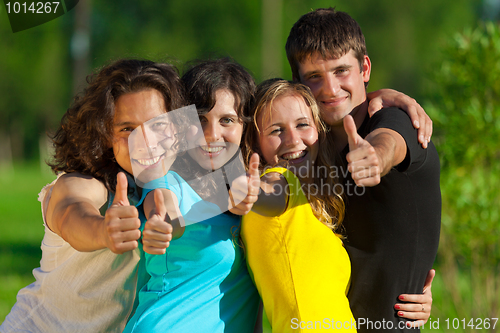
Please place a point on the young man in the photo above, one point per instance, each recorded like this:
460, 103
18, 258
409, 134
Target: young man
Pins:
392, 190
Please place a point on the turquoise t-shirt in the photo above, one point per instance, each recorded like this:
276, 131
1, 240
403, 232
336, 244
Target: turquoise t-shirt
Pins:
201, 283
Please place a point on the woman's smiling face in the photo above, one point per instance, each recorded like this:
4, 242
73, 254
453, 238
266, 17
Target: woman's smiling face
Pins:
288, 133
134, 110
222, 131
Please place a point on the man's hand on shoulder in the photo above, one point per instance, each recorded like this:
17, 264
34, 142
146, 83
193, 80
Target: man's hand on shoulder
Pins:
384, 98
273, 195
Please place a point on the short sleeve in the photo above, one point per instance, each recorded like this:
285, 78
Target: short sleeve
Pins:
399, 121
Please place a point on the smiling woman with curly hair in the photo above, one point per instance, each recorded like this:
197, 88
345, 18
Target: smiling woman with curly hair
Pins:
87, 276
83, 142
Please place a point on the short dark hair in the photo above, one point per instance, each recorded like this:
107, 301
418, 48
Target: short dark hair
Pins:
204, 78
329, 32
83, 142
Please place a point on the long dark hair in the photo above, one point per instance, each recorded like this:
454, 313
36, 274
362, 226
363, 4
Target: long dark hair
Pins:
83, 142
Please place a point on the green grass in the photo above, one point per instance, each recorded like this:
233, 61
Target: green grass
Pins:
21, 229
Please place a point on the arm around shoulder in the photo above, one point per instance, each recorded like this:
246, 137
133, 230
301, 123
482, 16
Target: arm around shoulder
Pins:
273, 197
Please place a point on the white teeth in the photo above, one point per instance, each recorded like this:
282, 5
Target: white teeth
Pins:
209, 149
294, 155
149, 161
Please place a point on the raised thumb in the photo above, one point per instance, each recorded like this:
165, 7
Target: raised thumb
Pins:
352, 133
160, 208
253, 172
121, 197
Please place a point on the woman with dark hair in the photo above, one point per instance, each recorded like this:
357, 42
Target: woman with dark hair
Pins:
200, 283
87, 276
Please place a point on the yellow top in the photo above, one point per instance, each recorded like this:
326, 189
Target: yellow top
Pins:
299, 266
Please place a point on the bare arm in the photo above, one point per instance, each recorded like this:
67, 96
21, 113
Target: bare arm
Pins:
387, 97
389, 146
73, 213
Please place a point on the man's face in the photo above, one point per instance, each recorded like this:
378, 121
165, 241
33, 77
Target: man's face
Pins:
337, 84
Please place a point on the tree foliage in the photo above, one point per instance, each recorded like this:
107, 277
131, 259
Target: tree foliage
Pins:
36, 65
465, 107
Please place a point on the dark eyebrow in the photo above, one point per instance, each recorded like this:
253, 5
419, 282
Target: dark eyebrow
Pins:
124, 123
332, 69
307, 74
229, 115
341, 66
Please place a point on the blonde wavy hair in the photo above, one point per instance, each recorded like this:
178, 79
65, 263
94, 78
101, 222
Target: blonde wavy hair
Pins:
329, 207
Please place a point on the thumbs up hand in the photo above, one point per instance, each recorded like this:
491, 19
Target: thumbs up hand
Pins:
157, 232
121, 221
364, 162
245, 190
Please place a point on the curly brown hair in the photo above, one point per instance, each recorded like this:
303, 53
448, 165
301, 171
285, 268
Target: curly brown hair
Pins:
83, 142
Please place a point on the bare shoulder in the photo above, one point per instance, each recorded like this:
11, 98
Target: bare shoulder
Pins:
75, 187
273, 196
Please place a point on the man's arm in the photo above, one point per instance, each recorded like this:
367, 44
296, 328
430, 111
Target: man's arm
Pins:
73, 213
387, 97
373, 157
390, 148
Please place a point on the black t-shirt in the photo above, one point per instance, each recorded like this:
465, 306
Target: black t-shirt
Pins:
392, 228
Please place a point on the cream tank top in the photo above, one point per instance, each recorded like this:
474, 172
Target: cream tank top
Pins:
75, 291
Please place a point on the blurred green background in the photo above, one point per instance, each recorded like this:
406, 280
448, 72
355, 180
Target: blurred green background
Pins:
445, 53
